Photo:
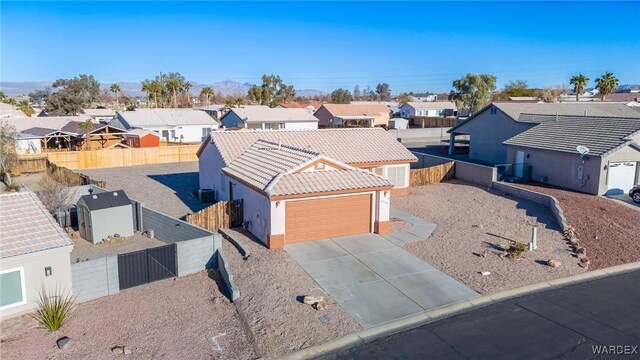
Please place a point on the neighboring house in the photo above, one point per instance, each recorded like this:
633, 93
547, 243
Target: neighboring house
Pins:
311, 107
420, 97
34, 253
627, 88
488, 128
399, 123
174, 125
353, 115
292, 194
429, 109
215, 110
532, 99
100, 135
34, 140
105, 214
265, 118
51, 122
100, 115
370, 149
612, 165
139, 138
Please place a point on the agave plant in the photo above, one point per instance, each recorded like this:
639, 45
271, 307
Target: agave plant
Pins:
54, 309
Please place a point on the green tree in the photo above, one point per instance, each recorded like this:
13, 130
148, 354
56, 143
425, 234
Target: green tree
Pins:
404, 98
579, 83
515, 88
86, 126
115, 89
383, 91
174, 84
357, 93
40, 97
205, 94
2, 96
473, 91
273, 91
26, 108
186, 91
7, 151
72, 95
341, 96
606, 84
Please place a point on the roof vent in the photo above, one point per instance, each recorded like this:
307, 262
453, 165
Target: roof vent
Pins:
94, 196
115, 193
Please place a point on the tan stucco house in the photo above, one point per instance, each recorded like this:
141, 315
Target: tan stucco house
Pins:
549, 151
353, 115
34, 253
307, 185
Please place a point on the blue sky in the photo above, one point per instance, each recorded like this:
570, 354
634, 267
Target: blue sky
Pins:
419, 46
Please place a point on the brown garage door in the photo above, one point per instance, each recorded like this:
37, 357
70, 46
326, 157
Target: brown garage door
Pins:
328, 217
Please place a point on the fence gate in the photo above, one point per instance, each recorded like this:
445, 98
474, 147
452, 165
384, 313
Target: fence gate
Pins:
144, 266
236, 214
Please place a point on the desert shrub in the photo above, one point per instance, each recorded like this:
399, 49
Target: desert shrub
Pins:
515, 250
54, 309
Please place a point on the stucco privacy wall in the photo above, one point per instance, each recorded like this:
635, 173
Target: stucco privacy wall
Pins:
33, 266
426, 134
465, 171
95, 278
227, 276
539, 198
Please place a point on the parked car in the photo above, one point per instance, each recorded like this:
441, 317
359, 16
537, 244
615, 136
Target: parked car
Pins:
635, 193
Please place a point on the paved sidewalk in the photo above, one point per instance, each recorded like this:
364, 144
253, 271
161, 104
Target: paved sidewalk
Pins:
419, 231
375, 280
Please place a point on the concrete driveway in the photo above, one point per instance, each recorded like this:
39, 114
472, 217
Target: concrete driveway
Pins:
375, 280
626, 199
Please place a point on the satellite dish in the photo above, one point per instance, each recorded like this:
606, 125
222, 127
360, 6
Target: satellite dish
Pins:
582, 150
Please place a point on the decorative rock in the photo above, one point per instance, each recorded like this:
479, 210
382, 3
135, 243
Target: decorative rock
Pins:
585, 260
584, 264
127, 351
151, 234
310, 300
553, 263
581, 250
64, 342
484, 253
118, 350
485, 273
320, 306
116, 235
582, 256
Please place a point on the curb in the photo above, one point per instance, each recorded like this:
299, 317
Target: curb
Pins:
367, 335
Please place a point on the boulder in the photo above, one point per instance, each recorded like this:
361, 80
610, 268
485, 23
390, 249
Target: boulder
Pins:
581, 250
320, 306
118, 350
553, 263
64, 342
310, 300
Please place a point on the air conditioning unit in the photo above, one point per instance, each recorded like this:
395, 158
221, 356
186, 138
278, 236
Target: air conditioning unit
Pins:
207, 195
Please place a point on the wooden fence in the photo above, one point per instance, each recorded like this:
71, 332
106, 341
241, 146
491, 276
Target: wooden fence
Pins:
106, 158
431, 122
432, 174
34, 164
221, 215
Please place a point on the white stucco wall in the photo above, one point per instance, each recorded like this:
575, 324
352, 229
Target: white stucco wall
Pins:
28, 146
190, 133
210, 173
33, 266
300, 125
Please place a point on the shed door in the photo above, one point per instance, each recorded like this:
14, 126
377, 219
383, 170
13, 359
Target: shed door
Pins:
328, 217
622, 177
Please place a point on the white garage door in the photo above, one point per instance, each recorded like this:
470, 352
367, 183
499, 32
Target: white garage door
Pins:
622, 177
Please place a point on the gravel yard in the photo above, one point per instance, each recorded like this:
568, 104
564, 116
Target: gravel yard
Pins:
471, 221
270, 283
84, 250
608, 230
168, 319
163, 187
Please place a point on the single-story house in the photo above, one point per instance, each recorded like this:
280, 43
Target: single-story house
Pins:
173, 125
36, 139
293, 194
310, 107
265, 118
49, 122
34, 253
398, 123
100, 135
139, 138
611, 166
374, 150
420, 97
490, 127
353, 115
105, 214
214, 110
100, 115
428, 108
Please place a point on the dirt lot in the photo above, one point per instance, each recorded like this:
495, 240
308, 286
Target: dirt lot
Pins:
85, 250
471, 221
608, 230
270, 283
168, 319
163, 187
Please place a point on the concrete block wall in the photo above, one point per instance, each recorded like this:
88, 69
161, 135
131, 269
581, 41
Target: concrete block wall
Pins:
425, 160
227, 276
420, 134
169, 229
197, 254
539, 198
95, 278
476, 174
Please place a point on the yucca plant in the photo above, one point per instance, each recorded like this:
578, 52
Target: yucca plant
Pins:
54, 309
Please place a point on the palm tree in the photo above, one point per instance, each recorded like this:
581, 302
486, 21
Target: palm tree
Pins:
606, 84
173, 85
26, 108
115, 88
186, 88
579, 82
2, 96
87, 126
205, 93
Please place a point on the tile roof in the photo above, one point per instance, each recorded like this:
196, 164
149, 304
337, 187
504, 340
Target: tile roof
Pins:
267, 114
27, 227
432, 105
164, 117
268, 166
373, 109
329, 180
264, 160
350, 146
601, 135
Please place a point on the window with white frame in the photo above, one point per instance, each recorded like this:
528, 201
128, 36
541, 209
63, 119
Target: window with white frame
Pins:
12, 288
397, 175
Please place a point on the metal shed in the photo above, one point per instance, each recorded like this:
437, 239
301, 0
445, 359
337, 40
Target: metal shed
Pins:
105, 214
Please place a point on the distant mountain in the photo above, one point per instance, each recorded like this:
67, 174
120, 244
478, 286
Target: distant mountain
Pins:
226, 87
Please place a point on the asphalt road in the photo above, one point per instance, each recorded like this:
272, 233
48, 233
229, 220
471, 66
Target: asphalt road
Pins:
564, 323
